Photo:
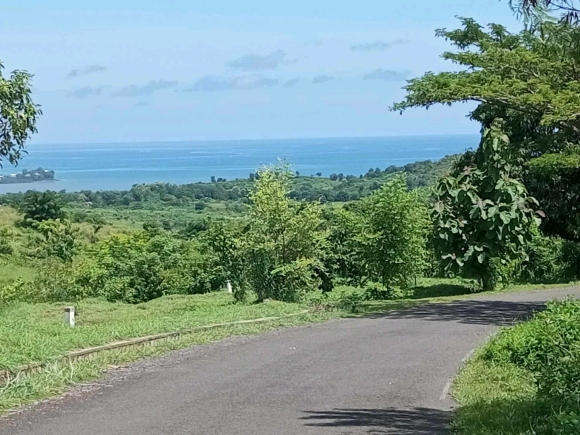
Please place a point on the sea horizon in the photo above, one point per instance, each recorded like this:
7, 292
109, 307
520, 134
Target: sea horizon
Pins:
120, 165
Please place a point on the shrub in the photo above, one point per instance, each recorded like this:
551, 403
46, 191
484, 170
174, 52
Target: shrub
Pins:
550, 260
387, 233
483, 214
41, 206
545, 262
146, 265
376, 292
54, 282
58, 239
6, 237
283, 242
571, 260
548, 346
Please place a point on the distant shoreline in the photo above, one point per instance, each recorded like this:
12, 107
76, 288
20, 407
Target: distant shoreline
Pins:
116, 168
25, 177
2, 181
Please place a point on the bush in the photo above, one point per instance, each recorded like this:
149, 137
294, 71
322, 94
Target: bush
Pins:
129, 269
143, 266
548, 346
387, 233
550, 260
545, 262
54, 282
377, 292
278, 253
571, 260
6, 237
57, 239
41, 206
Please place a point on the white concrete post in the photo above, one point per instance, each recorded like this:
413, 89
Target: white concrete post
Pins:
229, 287
69, 316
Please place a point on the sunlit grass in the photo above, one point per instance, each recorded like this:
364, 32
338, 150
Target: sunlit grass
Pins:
59, 376
495, 399
36, 332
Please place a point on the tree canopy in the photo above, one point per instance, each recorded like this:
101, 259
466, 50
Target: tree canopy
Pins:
529, 80
18, 115
568, 9
534, 73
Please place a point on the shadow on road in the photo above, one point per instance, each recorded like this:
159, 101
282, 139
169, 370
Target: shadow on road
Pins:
497, 313
417, 421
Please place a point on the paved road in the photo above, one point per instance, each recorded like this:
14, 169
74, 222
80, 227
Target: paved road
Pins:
385, 374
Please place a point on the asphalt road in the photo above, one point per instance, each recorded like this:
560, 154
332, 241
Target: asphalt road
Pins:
386, 374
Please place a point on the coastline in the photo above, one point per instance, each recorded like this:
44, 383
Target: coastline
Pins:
109, 167
24, 186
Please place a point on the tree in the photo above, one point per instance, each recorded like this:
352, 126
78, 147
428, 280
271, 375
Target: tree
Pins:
555, 181
483, 216
568, 9
284, 240
530, 80
388, 233
533, 73
60, 239
18, 115
41, 206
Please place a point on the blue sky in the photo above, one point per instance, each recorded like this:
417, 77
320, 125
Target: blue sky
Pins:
152, 70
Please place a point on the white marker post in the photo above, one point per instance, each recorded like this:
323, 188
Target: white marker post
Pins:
229, 287
69, 316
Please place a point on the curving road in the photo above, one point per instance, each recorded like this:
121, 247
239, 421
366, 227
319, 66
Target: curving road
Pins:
385, 374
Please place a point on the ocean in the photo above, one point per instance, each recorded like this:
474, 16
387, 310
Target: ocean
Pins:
119, 166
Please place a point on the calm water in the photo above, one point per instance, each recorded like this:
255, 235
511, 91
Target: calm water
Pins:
119, 166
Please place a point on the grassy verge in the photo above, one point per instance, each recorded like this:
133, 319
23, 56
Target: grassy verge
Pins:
32, 333
494, 399
526, 380
36, 332
58, 376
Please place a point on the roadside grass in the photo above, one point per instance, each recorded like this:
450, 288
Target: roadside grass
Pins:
525, 380
58, 377
495, 399
35, 333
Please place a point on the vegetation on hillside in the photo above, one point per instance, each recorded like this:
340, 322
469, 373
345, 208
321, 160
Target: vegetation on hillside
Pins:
336, 188
506, 212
